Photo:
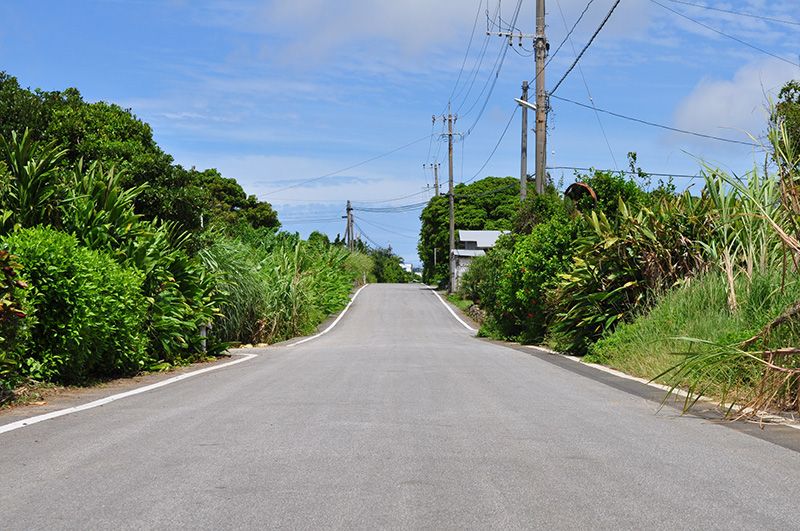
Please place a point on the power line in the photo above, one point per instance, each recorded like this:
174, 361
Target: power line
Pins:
370, 240
569, 33
661, 126
393, 209
496, 76
313, 179
466, 54
740, 13
583, 77
737, 39
627, 172
591, 40
386, 229
476, 69
499, 140
395, 198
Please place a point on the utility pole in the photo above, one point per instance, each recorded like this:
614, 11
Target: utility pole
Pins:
541, 46
435, 166
450, 120
523, 170
349, 229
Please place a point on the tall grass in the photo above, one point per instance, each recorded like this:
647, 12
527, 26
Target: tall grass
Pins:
278, 286
745, 348
656, 342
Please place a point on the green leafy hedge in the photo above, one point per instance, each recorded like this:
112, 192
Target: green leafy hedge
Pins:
13, 322
88, 312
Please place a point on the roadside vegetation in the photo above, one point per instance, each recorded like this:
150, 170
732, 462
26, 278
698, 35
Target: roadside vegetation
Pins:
115, 260
697, 289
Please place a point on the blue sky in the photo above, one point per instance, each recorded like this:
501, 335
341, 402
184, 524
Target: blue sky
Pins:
275, 93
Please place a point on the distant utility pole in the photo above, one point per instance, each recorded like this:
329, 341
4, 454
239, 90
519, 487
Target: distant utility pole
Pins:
348, 231
523, 168
435, 166
542, 105
540, 47
450, 120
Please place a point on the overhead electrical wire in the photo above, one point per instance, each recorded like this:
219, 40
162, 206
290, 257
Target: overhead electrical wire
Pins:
393, 209
627, 172
427, 191
661, 126
475, 70
466, 54
385, 229
583, 77
720, 32
586, 47
496, 146
571, 30
364, 234
739, 13
334, 173
496, 75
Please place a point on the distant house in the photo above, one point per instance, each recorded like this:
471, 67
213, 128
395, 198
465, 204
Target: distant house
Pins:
471, 243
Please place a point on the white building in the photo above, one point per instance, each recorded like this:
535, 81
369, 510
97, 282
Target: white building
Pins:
471, 243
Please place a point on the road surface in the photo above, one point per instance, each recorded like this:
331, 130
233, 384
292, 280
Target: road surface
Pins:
397, 418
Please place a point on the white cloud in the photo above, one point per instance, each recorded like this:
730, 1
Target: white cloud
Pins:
737, 104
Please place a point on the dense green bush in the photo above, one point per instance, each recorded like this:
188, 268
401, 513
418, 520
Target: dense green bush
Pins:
14, 321
620, 267
181, 293
89, 311
531, 269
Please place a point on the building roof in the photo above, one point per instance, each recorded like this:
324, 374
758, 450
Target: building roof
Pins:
468, 252
485, 239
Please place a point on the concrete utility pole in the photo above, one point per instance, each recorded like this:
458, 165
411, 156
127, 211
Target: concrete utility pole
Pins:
435, 166
349, 229
450, 120
541, 46
523, 169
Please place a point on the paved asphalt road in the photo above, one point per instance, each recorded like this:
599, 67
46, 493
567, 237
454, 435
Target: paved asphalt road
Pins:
395, 419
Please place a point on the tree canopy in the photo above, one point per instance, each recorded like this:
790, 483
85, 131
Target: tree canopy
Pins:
488, 204
114, 136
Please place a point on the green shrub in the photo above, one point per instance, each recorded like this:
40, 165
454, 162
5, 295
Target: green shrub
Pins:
14, 321
360, 266
620, 267
89, 311
521, 311
180, 292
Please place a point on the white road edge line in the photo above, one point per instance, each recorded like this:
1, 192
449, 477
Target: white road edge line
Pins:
678, 392
449, 309
107, 400
333, 323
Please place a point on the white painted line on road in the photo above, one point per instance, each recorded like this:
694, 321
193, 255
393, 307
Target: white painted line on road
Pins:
333, 323
107, 400
678, 392
449, 309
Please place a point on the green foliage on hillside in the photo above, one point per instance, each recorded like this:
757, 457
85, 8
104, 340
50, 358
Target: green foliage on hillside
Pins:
86, 312
115, 137
107, 269
487, 204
